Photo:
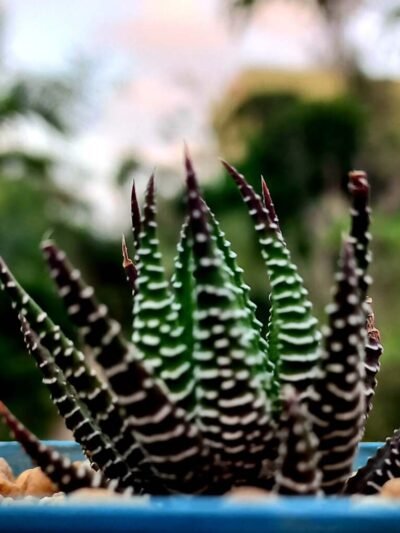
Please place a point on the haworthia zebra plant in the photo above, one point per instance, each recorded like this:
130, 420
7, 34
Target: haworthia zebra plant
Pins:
199, 400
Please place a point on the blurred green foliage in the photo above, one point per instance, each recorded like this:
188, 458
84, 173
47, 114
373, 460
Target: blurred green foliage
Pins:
305, 148
31, 204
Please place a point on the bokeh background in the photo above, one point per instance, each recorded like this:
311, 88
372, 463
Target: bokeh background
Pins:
96, 93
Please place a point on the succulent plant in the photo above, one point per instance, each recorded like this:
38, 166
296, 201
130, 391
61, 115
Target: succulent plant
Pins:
200, 399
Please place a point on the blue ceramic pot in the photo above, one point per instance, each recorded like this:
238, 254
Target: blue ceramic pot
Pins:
197, 514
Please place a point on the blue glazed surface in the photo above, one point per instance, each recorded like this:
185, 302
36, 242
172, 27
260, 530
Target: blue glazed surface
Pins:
197, 515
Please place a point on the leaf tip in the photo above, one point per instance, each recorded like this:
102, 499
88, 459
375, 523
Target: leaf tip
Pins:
358, 182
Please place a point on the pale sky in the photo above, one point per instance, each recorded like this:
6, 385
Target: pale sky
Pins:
160, 64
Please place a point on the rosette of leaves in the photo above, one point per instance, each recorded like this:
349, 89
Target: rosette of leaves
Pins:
199, 399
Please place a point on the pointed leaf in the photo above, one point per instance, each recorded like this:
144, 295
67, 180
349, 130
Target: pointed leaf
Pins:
273, 320
294, 349
337, 402
157, 333
67, 476
381, 467
361, 238
136, 218
183, 285
96, 445
373, 352
360, 221
297, 463
243, 292
129, 267
233, 410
